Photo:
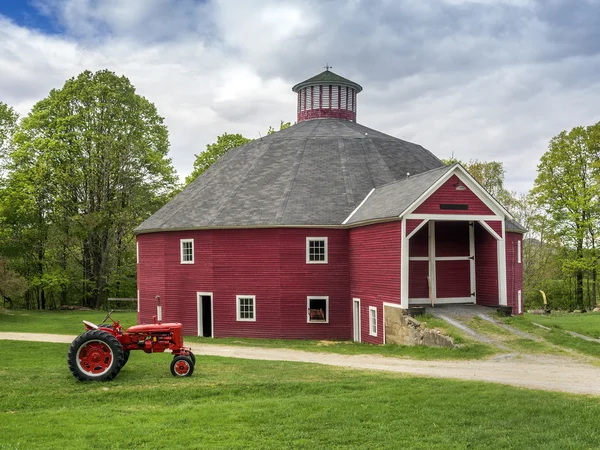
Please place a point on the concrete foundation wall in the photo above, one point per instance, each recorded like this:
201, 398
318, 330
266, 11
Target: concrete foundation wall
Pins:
402, 329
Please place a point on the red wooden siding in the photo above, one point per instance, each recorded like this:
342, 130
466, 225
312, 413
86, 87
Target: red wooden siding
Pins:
451, 239
418, 245
447, 194
411, 224
417, 279
486, 267
495, 225
514, 270
453, 279
267, 263
375, 271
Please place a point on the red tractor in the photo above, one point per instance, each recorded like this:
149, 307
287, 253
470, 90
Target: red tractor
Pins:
102, 351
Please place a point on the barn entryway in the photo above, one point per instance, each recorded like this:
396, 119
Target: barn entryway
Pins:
205, 314
452, 261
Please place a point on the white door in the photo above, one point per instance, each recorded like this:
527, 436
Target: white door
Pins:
356, 319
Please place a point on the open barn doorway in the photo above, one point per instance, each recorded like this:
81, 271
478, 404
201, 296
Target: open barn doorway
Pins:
205, 314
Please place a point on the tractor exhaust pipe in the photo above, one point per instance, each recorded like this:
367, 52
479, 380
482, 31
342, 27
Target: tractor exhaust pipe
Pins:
158, 309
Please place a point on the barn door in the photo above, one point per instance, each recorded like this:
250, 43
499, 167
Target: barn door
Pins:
454, 261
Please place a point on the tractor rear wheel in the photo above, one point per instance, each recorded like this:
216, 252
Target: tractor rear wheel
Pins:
95, 355
125, 357
182, 366
193, 358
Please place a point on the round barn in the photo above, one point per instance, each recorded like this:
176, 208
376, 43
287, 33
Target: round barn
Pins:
313, 231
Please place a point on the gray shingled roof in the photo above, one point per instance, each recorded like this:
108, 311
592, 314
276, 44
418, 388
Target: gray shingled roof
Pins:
392, 199
514, 226
313, 173
327, 77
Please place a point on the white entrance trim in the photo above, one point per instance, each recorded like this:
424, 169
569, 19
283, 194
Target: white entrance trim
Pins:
403, 266
490, 229
472, 258
431, 243
451, 217
439, 301
502, 269
356, 320
199, 296
417, 228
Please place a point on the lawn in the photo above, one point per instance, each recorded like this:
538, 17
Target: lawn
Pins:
69, 322
233, 403
587, 324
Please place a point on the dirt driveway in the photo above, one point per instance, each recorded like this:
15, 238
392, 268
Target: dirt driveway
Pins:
544, 372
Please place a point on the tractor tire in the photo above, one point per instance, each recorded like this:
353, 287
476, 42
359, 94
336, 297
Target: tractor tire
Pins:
125, 357
182, 366
193, 358
95, 355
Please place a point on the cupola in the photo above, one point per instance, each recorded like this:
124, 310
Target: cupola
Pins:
327, 96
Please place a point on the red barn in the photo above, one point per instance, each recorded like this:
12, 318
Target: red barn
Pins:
309, 232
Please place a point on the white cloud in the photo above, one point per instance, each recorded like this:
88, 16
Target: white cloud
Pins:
487, 80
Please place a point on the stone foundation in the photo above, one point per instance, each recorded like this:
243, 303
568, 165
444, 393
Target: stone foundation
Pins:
400, 328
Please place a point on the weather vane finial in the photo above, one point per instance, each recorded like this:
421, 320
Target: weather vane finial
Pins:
327, 66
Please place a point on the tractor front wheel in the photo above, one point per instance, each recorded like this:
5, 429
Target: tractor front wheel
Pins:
95, 355
182, 366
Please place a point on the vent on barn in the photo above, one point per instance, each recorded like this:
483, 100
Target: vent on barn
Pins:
327, 95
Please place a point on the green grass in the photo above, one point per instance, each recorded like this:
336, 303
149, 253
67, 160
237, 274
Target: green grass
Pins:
57, 322
555, 335
587, 324
234, 404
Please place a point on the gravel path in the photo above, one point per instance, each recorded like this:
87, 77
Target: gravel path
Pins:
544, 372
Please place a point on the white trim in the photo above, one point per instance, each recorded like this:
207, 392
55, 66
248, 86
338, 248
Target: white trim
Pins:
372, 309
358, 207
472, 258
138, 300
137, 252
199, 296
439, 301
502, 300
519, 302
403, 266
417, 228
452, 217
518, 251
356, 320
452, 258
490, 230
237, 308
431, 252
471, 183
316, 239
317, 297
418, 258
181, 242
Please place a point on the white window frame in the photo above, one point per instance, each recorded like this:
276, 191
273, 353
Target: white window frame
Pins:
519, 251
181, 242
316, 239
372, 315
317, 297
237, 308
137, 252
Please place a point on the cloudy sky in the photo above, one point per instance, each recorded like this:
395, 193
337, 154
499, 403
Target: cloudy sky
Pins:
483, 79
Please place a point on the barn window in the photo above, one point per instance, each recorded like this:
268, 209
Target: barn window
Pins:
137, 252
187, 251
519, 252
316, 250
246, 311
372, 320
318, 310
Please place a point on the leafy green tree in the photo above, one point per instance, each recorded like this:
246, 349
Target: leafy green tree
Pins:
224, 143
8, 125
567, 187
90, 163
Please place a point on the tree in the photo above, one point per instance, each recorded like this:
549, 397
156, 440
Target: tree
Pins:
568, 188
90, 163
490, 174
224, 143
8, 124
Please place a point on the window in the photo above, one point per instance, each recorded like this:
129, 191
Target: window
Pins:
137, 252
519, 251
318, 310
246, 311
187, 251
372, 321
316, 250
138, 300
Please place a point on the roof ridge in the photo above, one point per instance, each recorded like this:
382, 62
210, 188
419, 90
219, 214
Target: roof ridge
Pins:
412, 177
